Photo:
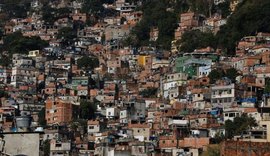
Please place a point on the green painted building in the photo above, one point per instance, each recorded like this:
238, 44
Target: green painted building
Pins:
189, 65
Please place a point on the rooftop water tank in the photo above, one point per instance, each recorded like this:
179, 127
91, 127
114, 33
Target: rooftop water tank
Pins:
23, 122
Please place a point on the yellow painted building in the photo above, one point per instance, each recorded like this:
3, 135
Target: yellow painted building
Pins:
143, 59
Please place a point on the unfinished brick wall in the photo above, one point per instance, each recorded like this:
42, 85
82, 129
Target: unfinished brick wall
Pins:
245, 148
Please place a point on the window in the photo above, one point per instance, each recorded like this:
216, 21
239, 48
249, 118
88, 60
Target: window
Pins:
58, 145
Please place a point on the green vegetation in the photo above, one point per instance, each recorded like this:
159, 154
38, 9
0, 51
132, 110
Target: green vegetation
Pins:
41, 117
79, 123
223, 8
46, 147
16, 43
217, 74
3, 94
196, 39
231, 73
212, 150
239, 125
201, 6
155, 14
87, 109
5, 61
1, 32
67, 35
96, 8
15, 8
267, 85
149, 92
87, 62
250, 17
50, 15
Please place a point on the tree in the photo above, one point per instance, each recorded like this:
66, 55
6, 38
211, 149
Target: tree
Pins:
1, 32
16, 8
155, 14
17, 43
3, 94
267, 85
67, 35
41, 117
219, 137
215, 75
181, 6
79, 123
50, 15
40, 86
195, 39
92, 7
149, 92
239, 125
123, 20
5, 61
223, 8
96, 8
231, 73
212, 150
251, 16
201, 6
103, 39
87, 109
46, 147
87, 62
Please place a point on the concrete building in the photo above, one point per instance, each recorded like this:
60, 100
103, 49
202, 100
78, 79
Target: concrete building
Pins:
222, 95
58, 111
20, 143
60, 148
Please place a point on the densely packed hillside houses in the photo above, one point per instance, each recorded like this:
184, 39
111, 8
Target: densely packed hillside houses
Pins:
134, 77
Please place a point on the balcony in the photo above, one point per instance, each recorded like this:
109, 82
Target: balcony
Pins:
178, 122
